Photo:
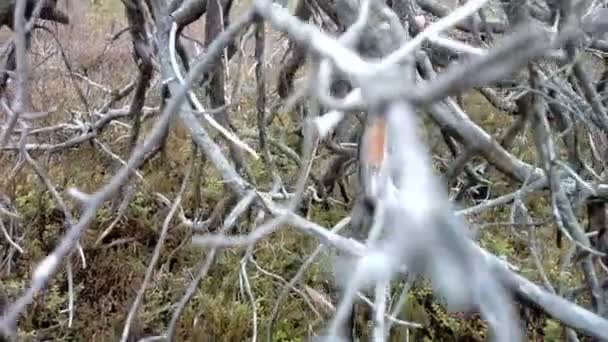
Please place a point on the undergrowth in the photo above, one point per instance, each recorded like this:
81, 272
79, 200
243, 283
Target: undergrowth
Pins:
220, 310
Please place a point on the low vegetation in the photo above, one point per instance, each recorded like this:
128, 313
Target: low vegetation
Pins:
91, 67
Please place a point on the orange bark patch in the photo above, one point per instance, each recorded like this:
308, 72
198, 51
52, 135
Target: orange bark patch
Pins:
375, 142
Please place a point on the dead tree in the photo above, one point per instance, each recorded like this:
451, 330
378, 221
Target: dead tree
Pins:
419, 233
48, 11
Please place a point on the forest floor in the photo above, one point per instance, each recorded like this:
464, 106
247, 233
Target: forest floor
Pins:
220, 310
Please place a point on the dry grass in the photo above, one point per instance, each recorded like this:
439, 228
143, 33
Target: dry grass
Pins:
105, 288
113, 274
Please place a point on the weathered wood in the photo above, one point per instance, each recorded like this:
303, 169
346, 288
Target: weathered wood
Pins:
49, 12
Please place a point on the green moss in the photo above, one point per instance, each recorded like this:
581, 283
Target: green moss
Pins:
220, 309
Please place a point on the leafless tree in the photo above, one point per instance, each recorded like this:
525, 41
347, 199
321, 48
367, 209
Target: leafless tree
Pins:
372, 69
